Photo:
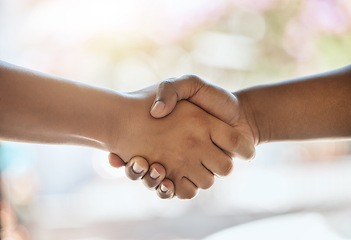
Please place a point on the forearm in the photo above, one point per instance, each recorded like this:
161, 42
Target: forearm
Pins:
44, 109
313, 107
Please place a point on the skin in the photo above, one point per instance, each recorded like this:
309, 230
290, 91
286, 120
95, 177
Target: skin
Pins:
191, 144
192, 129
306, 108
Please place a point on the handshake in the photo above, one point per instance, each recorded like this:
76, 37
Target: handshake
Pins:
191, 136
176, 135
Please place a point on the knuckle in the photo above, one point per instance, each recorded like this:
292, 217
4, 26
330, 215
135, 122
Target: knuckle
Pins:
226, 168
186, 195
191, 77
234, 140
199, 82
250, 154
166, 84
208, 183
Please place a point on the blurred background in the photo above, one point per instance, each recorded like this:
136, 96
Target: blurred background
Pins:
68, 192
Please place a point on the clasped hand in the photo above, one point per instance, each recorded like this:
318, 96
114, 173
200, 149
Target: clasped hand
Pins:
188, 148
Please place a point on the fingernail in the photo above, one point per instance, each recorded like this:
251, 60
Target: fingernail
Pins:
163, 188
137, 168
154, 174
158, 107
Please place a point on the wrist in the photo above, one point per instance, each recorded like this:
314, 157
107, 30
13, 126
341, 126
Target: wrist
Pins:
248, 114
114, 121
125, 120
104, 118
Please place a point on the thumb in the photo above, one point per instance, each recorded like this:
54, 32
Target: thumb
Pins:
165, 100
171, 91
115, 160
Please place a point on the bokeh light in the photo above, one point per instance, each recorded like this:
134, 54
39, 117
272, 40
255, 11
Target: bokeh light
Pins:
66, 192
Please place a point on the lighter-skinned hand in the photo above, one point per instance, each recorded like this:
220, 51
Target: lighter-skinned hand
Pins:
188, 143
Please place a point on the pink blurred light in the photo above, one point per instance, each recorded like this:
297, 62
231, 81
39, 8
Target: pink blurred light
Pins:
325, 15
170, 21
259, 5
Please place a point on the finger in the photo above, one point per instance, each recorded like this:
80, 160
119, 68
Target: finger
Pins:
232, 141
136, 168
203, 178
172, 90
165, 100
115, 160
154, 176
166, 189
218, 102
217, 161
209, 97
185, 189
